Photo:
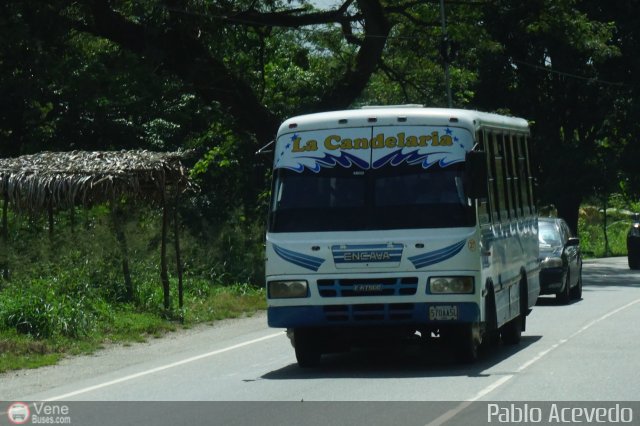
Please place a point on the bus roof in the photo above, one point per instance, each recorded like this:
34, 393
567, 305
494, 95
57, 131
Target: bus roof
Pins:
401, 115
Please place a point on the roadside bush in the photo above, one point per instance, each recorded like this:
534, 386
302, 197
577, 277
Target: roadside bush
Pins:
591, 228
44, 308
70, 282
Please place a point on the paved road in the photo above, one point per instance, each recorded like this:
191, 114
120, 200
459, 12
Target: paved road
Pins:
586, 351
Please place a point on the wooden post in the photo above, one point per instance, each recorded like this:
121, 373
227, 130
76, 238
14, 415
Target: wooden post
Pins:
72, 219
117, 220
5, 238
50, 216
164, 276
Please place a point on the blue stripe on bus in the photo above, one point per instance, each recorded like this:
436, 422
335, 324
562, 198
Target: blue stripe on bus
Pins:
309, 262
437, 256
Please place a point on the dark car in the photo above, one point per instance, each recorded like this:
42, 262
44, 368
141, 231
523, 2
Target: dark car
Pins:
560, 260
633, 243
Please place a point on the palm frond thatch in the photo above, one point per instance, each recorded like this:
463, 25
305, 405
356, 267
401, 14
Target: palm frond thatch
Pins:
65, 179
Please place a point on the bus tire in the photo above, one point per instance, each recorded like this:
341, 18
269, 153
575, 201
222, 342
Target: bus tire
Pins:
512, 331
307, 348
491, 333
467, 343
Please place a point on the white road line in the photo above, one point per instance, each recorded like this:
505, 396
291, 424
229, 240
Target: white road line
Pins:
504, 379
162, 368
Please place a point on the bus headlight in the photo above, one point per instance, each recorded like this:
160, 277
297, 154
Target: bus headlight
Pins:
287, 289
448, 285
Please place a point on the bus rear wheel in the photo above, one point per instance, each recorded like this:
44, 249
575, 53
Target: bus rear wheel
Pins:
512, 331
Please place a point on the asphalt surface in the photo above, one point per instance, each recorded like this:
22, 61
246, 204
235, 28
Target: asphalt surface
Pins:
584, 352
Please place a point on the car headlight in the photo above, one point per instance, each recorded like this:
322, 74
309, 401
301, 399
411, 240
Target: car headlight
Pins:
446, 285
551, 262
287, 289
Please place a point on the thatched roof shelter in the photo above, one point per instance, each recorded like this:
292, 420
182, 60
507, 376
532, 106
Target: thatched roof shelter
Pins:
65, 179
47, 181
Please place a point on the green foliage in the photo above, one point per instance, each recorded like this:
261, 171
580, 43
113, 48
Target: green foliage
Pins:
413, 70
69, 283
592, 227
129, 325
24, 351
218, 302
66, 293
47, 307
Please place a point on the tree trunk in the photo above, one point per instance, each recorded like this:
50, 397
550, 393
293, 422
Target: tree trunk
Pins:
117, 219
176, 236
569, 209
607, 251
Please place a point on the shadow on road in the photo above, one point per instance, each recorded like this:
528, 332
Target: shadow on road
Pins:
408, 360
604, 275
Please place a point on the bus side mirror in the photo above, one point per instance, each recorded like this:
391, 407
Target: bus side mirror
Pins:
476, 174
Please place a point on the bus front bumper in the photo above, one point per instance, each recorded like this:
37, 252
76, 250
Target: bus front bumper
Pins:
384, 314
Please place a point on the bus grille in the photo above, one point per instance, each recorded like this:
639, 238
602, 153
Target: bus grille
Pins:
369, 312
405, 286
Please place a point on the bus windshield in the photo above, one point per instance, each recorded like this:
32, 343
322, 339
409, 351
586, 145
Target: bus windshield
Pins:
349, 199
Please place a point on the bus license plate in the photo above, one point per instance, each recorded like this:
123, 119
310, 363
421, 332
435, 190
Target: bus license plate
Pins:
443, 312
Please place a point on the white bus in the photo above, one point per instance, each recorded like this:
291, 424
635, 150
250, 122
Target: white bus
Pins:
401, 221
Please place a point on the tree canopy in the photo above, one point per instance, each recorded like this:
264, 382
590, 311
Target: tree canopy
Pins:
219, 76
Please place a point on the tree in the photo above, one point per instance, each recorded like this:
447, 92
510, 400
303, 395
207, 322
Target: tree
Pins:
547, 67
220, 76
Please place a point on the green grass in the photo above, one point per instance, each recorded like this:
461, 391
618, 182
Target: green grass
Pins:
124, 324
22, 351
128, 326
66, 293
225, 302
591, 230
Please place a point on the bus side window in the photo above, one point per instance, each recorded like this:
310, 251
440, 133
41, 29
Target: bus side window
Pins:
513, 173
500, 178
494, 192
522, 175
508, 175
530, 178
484, 206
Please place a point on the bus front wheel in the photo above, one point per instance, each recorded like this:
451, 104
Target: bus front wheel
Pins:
467, 338
307, 347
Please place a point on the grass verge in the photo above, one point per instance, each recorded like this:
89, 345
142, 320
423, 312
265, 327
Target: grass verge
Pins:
121, 324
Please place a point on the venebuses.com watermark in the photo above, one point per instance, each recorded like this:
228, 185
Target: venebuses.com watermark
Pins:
557, 413
20, 413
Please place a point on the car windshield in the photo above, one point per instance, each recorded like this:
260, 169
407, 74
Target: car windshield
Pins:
548, 234
351, 199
